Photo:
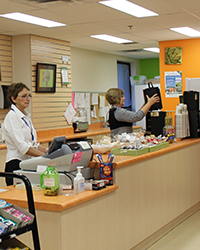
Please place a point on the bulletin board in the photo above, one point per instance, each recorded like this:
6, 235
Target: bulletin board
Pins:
97, 106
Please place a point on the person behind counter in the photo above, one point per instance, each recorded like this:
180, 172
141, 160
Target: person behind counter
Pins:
20, 135
121, 120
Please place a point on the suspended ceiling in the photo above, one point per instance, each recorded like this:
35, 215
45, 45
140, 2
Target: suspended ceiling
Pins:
87, 17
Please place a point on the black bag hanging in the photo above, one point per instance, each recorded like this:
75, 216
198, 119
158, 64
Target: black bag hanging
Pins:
150, 91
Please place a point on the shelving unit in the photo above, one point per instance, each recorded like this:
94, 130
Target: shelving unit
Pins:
31, 207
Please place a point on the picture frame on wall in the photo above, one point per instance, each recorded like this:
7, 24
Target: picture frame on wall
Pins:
45, 78
173, 55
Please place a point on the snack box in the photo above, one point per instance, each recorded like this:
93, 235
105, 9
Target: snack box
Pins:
12, 218
133, 152
3, 228
4, 204
18, 215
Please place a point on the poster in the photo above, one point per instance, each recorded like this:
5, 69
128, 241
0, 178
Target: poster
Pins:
173, 83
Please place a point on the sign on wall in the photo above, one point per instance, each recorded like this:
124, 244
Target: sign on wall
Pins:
173, 83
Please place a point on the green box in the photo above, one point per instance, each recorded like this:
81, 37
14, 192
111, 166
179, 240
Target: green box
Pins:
159, 146
133, 152
154, 148
164, 144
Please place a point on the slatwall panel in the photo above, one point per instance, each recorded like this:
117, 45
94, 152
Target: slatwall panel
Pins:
6, 65
48, 108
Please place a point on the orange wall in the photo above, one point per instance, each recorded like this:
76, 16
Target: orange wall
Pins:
190, 66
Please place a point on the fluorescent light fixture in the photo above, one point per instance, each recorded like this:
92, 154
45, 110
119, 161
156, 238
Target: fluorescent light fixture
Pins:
112, 39
156, 50
32, 19
129, 8
187, 31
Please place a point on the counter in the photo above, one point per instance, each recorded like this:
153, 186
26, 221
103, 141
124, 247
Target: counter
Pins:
156, 191
95, 131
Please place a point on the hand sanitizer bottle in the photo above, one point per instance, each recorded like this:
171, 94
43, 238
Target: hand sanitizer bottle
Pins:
79, 181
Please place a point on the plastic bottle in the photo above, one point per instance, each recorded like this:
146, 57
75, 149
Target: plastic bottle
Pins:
165, 128
79, 181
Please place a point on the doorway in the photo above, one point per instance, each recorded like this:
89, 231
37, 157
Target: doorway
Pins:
123, 79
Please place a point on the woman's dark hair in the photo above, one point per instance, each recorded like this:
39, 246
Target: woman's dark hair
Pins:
114, 95
14, 90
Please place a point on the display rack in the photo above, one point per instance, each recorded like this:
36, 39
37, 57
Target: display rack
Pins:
31, 207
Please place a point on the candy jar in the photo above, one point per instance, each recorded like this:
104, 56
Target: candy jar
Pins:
49, 181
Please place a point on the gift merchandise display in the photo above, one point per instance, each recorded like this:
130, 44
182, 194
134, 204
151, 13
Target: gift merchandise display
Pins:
137, 143
104, 145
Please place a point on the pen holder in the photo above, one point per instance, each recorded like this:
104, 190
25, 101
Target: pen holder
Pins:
106, 173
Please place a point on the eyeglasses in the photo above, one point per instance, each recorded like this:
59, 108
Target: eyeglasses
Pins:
25, 96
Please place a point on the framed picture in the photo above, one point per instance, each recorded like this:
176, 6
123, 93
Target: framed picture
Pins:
173, 55
45, 78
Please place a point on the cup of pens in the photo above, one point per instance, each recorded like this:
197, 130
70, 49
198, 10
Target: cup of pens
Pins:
106, 169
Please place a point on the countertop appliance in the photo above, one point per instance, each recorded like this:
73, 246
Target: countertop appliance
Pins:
64, 156
191, 98
155, 121
80, 123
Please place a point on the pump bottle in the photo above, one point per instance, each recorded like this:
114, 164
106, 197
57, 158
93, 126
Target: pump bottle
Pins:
79, 181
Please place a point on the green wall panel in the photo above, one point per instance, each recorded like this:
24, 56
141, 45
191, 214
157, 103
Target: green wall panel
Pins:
149, 67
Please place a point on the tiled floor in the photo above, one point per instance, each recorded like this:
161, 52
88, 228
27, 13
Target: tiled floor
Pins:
185, 236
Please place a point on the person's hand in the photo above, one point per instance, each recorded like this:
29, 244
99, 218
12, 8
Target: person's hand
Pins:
154, 99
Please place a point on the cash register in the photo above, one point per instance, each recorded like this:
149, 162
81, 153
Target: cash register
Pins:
65, 156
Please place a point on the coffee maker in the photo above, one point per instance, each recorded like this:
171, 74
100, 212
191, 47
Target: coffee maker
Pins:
191, 98
155, 121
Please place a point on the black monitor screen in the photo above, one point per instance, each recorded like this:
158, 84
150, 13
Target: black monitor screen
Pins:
56, 143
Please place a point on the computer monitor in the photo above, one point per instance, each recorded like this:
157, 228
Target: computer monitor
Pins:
56, 143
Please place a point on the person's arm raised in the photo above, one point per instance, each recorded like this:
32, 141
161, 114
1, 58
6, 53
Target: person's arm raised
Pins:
150, 101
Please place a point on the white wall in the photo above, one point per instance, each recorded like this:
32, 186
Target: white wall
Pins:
95, 71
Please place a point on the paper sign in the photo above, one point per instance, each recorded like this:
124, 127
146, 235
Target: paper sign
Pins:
69, 113
76, 157
64, 74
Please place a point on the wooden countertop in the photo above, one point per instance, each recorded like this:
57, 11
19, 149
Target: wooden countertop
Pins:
53, 203
121, 160
48, 135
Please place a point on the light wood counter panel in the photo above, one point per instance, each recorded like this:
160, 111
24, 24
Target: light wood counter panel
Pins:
154, 195
156, 192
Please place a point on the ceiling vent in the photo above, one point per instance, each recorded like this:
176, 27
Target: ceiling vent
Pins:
131, 50
48, 1
130, 43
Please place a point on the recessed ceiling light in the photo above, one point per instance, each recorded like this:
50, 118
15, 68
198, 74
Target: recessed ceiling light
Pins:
129, 8
187, 31
156, 50
32, 19
112, 39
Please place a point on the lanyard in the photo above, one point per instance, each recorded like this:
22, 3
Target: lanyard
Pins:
30, 126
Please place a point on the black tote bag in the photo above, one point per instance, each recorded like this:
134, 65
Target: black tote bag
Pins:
150, 91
